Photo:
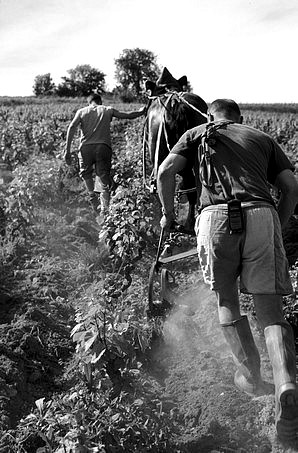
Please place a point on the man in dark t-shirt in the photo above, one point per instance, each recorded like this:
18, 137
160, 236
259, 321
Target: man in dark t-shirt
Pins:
239, 238
244, 159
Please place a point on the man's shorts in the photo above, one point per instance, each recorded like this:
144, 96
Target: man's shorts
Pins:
257, 255
98, 156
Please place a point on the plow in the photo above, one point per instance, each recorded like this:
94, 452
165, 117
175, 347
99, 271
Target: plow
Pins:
162, 285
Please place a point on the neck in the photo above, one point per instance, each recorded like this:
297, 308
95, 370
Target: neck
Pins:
223, 118
234, 119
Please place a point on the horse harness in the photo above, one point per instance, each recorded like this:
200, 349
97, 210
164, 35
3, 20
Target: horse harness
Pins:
162, 129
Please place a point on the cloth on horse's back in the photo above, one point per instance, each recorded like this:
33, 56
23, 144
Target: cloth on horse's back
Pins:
168, 81
165, 82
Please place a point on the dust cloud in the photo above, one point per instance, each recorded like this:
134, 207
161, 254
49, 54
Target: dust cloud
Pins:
193, 323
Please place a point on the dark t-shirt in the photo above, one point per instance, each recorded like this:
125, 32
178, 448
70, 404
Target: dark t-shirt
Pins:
244, 162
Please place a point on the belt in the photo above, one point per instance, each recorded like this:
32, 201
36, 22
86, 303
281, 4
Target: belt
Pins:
244, 205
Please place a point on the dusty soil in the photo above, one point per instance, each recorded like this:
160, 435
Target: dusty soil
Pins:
191, 364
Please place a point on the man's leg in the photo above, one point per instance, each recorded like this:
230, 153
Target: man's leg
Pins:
281, 349
86, 162
238, 335
89, 183
228, 303
103, 173
219, 255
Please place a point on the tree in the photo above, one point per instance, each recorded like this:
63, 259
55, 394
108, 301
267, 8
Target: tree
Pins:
43, 85
133, 67
82, 80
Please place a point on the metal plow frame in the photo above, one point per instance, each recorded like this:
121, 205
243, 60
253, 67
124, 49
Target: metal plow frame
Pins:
161, 297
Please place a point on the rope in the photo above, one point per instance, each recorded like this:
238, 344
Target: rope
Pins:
181, 96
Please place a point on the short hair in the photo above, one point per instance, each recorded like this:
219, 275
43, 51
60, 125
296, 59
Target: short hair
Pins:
94, 97
227, 106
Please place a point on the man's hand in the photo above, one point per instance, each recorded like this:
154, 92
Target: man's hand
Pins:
143, 110
167, 220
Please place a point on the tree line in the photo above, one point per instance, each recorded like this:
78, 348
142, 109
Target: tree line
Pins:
133, 66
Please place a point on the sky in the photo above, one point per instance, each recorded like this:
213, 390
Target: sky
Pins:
239, 49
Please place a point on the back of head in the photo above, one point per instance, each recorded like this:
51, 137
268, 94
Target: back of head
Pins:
94, 97
225, 109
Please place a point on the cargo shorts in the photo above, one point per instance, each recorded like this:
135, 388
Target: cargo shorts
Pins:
257, 255
98, 156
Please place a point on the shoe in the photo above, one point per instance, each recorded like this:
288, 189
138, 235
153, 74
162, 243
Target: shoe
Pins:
281, 349
102, 216
286, 414
252, 387
94, 202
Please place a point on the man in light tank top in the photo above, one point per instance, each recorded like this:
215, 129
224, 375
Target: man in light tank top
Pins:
95, 150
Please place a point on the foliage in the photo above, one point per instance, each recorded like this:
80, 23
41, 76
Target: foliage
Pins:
272, 108
133, 67
118, 326
125, 95
53, 252
111, 329
96, 422
82, 80
43, 85
110, 333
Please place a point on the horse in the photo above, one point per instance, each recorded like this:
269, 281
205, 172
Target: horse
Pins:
171, 111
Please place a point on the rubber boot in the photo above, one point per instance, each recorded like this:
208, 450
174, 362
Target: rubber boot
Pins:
281, 349
246, 357
104, 206
105, 201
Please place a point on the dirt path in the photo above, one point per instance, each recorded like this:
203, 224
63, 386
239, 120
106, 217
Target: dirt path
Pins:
213, 416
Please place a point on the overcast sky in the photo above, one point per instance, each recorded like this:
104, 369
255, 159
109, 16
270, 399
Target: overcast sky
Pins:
239, 49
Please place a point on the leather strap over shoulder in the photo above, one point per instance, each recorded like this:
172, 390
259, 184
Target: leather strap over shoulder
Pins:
204, 155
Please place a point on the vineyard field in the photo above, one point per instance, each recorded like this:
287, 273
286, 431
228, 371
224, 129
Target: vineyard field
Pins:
83, 368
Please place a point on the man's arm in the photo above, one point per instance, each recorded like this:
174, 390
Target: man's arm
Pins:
129, 115
166, 185
70, 135
287, 183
